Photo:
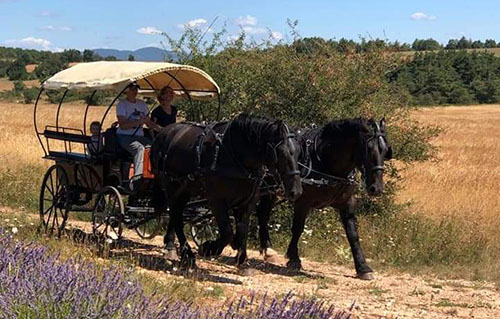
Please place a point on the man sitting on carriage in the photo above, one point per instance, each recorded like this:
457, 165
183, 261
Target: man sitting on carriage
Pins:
132, 114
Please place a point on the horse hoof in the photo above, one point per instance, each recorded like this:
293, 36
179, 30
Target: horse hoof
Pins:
294, 265
366, 276
170, 254
270, 255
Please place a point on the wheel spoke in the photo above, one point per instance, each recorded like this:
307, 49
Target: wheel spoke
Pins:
48, 219
51, 183
50, 207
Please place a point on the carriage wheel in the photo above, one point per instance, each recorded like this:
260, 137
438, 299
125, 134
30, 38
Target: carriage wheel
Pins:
151, 228
108, 214
204, 230
54, 200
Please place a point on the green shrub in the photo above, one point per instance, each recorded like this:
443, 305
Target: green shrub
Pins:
30, 95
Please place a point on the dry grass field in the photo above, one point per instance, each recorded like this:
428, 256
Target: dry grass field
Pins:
19, 146
6, 85
463, 181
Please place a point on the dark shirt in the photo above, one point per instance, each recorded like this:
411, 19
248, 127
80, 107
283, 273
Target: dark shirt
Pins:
162, 118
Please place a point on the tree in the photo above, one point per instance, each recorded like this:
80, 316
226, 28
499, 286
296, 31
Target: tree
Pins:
452, 44
490, 43
49, 67
88, 55
71, 55
131, 57
463, 43
426, 45
478, 44
17, 71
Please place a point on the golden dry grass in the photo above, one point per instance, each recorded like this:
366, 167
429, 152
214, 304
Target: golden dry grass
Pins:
6, 85
19, 146
463, 182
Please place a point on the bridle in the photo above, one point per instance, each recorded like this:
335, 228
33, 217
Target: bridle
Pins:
381, 144
286, 139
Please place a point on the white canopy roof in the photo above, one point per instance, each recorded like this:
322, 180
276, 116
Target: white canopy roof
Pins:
116, 75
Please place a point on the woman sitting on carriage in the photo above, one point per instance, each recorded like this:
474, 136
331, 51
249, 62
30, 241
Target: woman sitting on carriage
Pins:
165, 113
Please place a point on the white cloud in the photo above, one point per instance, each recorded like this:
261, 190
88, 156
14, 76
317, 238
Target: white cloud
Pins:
254, 30
422, 16
58, 50
31, 43
276, 35
149, 30
247, 20
195, 23
52, 28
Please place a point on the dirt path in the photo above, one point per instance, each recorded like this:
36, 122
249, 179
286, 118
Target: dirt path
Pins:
388, 296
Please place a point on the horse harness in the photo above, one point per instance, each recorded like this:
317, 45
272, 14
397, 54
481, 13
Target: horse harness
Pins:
209, 130
331, 180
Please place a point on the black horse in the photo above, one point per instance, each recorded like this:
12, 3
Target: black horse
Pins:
193, 160
329, 158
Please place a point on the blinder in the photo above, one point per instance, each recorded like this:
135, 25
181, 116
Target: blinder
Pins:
273, 156
381, 139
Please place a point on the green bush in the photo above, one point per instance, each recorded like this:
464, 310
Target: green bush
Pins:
30, 95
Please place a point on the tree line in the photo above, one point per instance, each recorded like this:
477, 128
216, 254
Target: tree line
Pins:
433, 74
13, 62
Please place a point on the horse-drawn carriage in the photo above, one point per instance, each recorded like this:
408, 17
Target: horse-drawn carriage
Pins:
82, 180
207, 174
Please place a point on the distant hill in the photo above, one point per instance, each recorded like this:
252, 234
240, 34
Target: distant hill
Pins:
143, 54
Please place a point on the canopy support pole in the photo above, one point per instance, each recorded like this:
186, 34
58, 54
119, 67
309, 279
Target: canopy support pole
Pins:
34, 121
86, 112
184, 89
59, 109
113, 102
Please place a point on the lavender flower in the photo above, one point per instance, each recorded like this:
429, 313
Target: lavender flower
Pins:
37, 284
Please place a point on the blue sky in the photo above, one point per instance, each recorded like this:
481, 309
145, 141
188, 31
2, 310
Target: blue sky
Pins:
63, 24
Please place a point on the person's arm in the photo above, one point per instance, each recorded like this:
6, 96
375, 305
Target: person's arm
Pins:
125, 123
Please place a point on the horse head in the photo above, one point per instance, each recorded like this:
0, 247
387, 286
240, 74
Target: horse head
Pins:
282, 153
374, 150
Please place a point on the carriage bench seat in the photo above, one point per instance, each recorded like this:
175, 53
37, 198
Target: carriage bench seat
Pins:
65, 136
69, 156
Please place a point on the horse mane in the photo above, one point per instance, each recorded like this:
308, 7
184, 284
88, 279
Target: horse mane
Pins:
347, 128
253, 128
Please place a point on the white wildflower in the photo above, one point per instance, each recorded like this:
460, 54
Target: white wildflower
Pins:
15, 230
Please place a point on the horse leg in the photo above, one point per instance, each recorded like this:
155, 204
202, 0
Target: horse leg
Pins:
161, 206
169, 240
215, 248
241, 235
348, 219
299, 218
263, 212
188, 259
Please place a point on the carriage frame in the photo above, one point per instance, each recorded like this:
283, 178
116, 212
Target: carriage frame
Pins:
84, 182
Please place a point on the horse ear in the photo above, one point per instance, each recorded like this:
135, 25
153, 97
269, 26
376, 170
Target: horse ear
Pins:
388, 154
382, 123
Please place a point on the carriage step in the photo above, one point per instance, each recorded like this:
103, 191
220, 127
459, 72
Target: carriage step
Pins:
135, 209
